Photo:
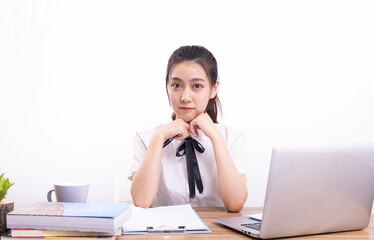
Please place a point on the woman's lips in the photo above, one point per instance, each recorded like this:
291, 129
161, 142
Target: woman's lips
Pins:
186, 108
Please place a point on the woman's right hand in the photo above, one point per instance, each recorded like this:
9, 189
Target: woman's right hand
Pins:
174, 128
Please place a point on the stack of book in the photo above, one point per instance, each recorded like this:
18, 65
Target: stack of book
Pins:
83, 221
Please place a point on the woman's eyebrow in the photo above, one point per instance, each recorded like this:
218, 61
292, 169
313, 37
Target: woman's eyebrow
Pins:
176, 79
198, 79
192, 80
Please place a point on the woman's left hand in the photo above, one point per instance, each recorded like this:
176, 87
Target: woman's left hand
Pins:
205, 124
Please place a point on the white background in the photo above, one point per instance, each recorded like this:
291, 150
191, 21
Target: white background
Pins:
78, 78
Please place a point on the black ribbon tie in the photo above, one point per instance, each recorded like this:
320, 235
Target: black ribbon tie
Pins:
188, 147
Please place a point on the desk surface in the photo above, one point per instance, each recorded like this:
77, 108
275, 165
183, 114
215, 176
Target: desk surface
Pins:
220, 232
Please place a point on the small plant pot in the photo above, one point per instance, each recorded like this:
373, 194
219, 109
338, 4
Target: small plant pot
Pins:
5, 207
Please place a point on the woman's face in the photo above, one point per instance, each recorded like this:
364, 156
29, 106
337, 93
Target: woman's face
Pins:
189, 90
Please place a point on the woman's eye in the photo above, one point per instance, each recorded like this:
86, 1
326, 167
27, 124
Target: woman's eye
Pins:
197, 86
176, 85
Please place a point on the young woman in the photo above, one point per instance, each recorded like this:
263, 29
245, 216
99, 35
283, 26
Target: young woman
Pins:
204, 164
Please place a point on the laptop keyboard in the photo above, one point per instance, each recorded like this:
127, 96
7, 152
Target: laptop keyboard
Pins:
255, 226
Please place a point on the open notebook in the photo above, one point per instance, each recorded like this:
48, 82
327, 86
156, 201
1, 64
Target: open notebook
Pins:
169, 219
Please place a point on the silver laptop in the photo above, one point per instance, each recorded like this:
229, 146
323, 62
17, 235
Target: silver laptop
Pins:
313, 190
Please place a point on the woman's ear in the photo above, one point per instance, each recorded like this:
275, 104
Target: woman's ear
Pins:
214, 90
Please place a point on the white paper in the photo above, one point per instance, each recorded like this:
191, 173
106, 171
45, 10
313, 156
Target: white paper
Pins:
161, 217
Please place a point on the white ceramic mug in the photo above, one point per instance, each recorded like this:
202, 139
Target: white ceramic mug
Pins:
69, 192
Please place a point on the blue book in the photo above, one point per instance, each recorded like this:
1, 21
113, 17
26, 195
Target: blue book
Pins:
86, 217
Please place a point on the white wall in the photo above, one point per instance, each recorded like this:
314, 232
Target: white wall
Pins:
77, 78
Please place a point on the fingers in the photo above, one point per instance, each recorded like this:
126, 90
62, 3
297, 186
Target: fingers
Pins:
179, 129
184, 129
204, 123
193, 128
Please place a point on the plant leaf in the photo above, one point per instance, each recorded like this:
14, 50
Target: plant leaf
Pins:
2, 195
5, 184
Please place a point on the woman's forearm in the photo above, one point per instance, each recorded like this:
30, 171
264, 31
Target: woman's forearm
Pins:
232, 184
145, 181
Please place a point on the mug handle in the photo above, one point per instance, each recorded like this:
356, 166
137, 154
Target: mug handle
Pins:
49, 195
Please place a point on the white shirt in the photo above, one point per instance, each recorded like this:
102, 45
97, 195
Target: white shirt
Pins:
173, 183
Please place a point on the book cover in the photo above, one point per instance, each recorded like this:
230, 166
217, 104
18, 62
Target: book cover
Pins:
57, 233
72, 209
8, 236
89, 217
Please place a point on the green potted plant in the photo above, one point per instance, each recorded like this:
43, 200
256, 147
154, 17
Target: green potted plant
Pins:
5, 205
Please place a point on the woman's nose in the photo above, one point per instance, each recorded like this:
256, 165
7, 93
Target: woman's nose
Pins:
186, 96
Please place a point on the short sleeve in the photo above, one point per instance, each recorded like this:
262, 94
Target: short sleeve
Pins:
138, 154
237, 146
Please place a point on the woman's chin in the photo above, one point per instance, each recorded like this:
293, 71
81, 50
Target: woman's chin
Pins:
186, 117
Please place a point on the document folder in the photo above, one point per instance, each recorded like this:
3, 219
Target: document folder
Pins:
180, 219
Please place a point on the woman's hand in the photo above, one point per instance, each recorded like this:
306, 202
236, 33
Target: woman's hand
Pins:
182, 129
174, 128
205, 124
